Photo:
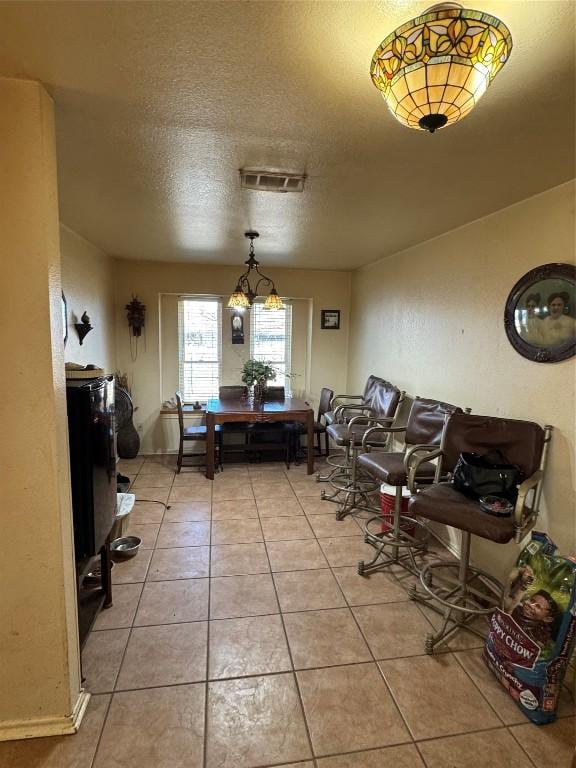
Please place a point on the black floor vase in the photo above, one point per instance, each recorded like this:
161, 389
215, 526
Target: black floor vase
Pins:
128, 441
127, 438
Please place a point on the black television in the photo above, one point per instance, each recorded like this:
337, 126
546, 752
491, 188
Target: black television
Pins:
91, 434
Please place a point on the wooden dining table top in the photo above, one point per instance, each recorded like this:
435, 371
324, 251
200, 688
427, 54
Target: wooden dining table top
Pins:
249, 406
246, 409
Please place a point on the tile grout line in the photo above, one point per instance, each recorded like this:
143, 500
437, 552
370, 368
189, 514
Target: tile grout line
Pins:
99, 739
374, 661
364, 749
517, 741
207, 620
299, 669
469, 676
206, 698
351, 612
414, 743
293, 671
382, 676
130, 628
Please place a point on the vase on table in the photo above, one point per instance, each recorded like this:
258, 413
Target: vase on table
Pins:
259, 391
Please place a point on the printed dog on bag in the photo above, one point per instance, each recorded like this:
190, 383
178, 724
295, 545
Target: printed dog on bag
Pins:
535, 615
530, 641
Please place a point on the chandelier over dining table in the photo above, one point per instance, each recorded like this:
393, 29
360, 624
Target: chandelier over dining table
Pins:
245, 292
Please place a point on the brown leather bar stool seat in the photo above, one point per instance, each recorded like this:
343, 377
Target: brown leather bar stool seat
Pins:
350, 434
443, 504
389, 468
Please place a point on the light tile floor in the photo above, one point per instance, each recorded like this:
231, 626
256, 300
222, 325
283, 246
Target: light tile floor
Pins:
241, 636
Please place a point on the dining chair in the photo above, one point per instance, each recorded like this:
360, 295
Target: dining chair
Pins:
320, 425
230, 392
194, 434
276, 436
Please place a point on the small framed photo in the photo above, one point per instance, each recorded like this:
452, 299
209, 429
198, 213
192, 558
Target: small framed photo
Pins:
237, 321
330, 319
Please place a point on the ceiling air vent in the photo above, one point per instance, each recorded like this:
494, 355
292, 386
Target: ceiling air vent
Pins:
272, 181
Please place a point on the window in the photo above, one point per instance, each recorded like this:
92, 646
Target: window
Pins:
199, 347
271, 339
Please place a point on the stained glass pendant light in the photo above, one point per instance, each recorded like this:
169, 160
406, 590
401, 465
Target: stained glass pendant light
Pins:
433, 69
244, 294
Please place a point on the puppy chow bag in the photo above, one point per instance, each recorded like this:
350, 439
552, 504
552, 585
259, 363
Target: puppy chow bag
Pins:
532, 636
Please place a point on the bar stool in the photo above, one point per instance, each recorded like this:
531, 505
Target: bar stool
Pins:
397, 543
459, 591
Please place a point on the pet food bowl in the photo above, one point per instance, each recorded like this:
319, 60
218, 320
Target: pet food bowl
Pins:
125, 547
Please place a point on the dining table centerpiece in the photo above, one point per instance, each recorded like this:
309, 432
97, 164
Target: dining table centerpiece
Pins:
256, 375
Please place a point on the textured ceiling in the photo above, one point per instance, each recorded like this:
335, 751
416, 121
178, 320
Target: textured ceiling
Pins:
159, 104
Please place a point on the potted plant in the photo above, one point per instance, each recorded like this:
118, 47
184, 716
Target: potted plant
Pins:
256, 374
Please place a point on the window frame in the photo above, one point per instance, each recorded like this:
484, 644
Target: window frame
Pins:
258, 307
188, 394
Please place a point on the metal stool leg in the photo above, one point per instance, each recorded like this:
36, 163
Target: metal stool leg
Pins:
351, 492
459, 601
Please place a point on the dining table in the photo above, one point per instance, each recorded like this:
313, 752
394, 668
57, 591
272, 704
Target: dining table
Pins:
255, 411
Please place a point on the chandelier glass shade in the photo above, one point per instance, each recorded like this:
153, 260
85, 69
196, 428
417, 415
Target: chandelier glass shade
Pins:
245, 293
434, 69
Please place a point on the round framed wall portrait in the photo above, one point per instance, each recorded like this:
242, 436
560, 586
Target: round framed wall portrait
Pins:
540, 314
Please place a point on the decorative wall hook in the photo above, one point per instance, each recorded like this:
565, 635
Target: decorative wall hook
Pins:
84, 327
136, 314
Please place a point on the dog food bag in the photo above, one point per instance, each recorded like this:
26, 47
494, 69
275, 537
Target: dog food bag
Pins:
532, 636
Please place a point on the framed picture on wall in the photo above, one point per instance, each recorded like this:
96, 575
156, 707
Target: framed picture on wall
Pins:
540, 314
330, 319
237, 321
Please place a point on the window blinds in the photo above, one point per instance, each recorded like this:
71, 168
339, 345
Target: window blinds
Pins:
271, 339
199, 347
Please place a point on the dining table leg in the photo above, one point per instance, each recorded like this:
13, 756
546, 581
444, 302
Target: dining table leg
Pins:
210, 445
310, 441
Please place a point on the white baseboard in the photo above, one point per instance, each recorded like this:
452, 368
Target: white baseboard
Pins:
170, 452
46, 726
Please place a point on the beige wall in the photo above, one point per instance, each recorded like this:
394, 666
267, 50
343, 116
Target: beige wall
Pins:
88, 284
148, 280
39, 669
430, 320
